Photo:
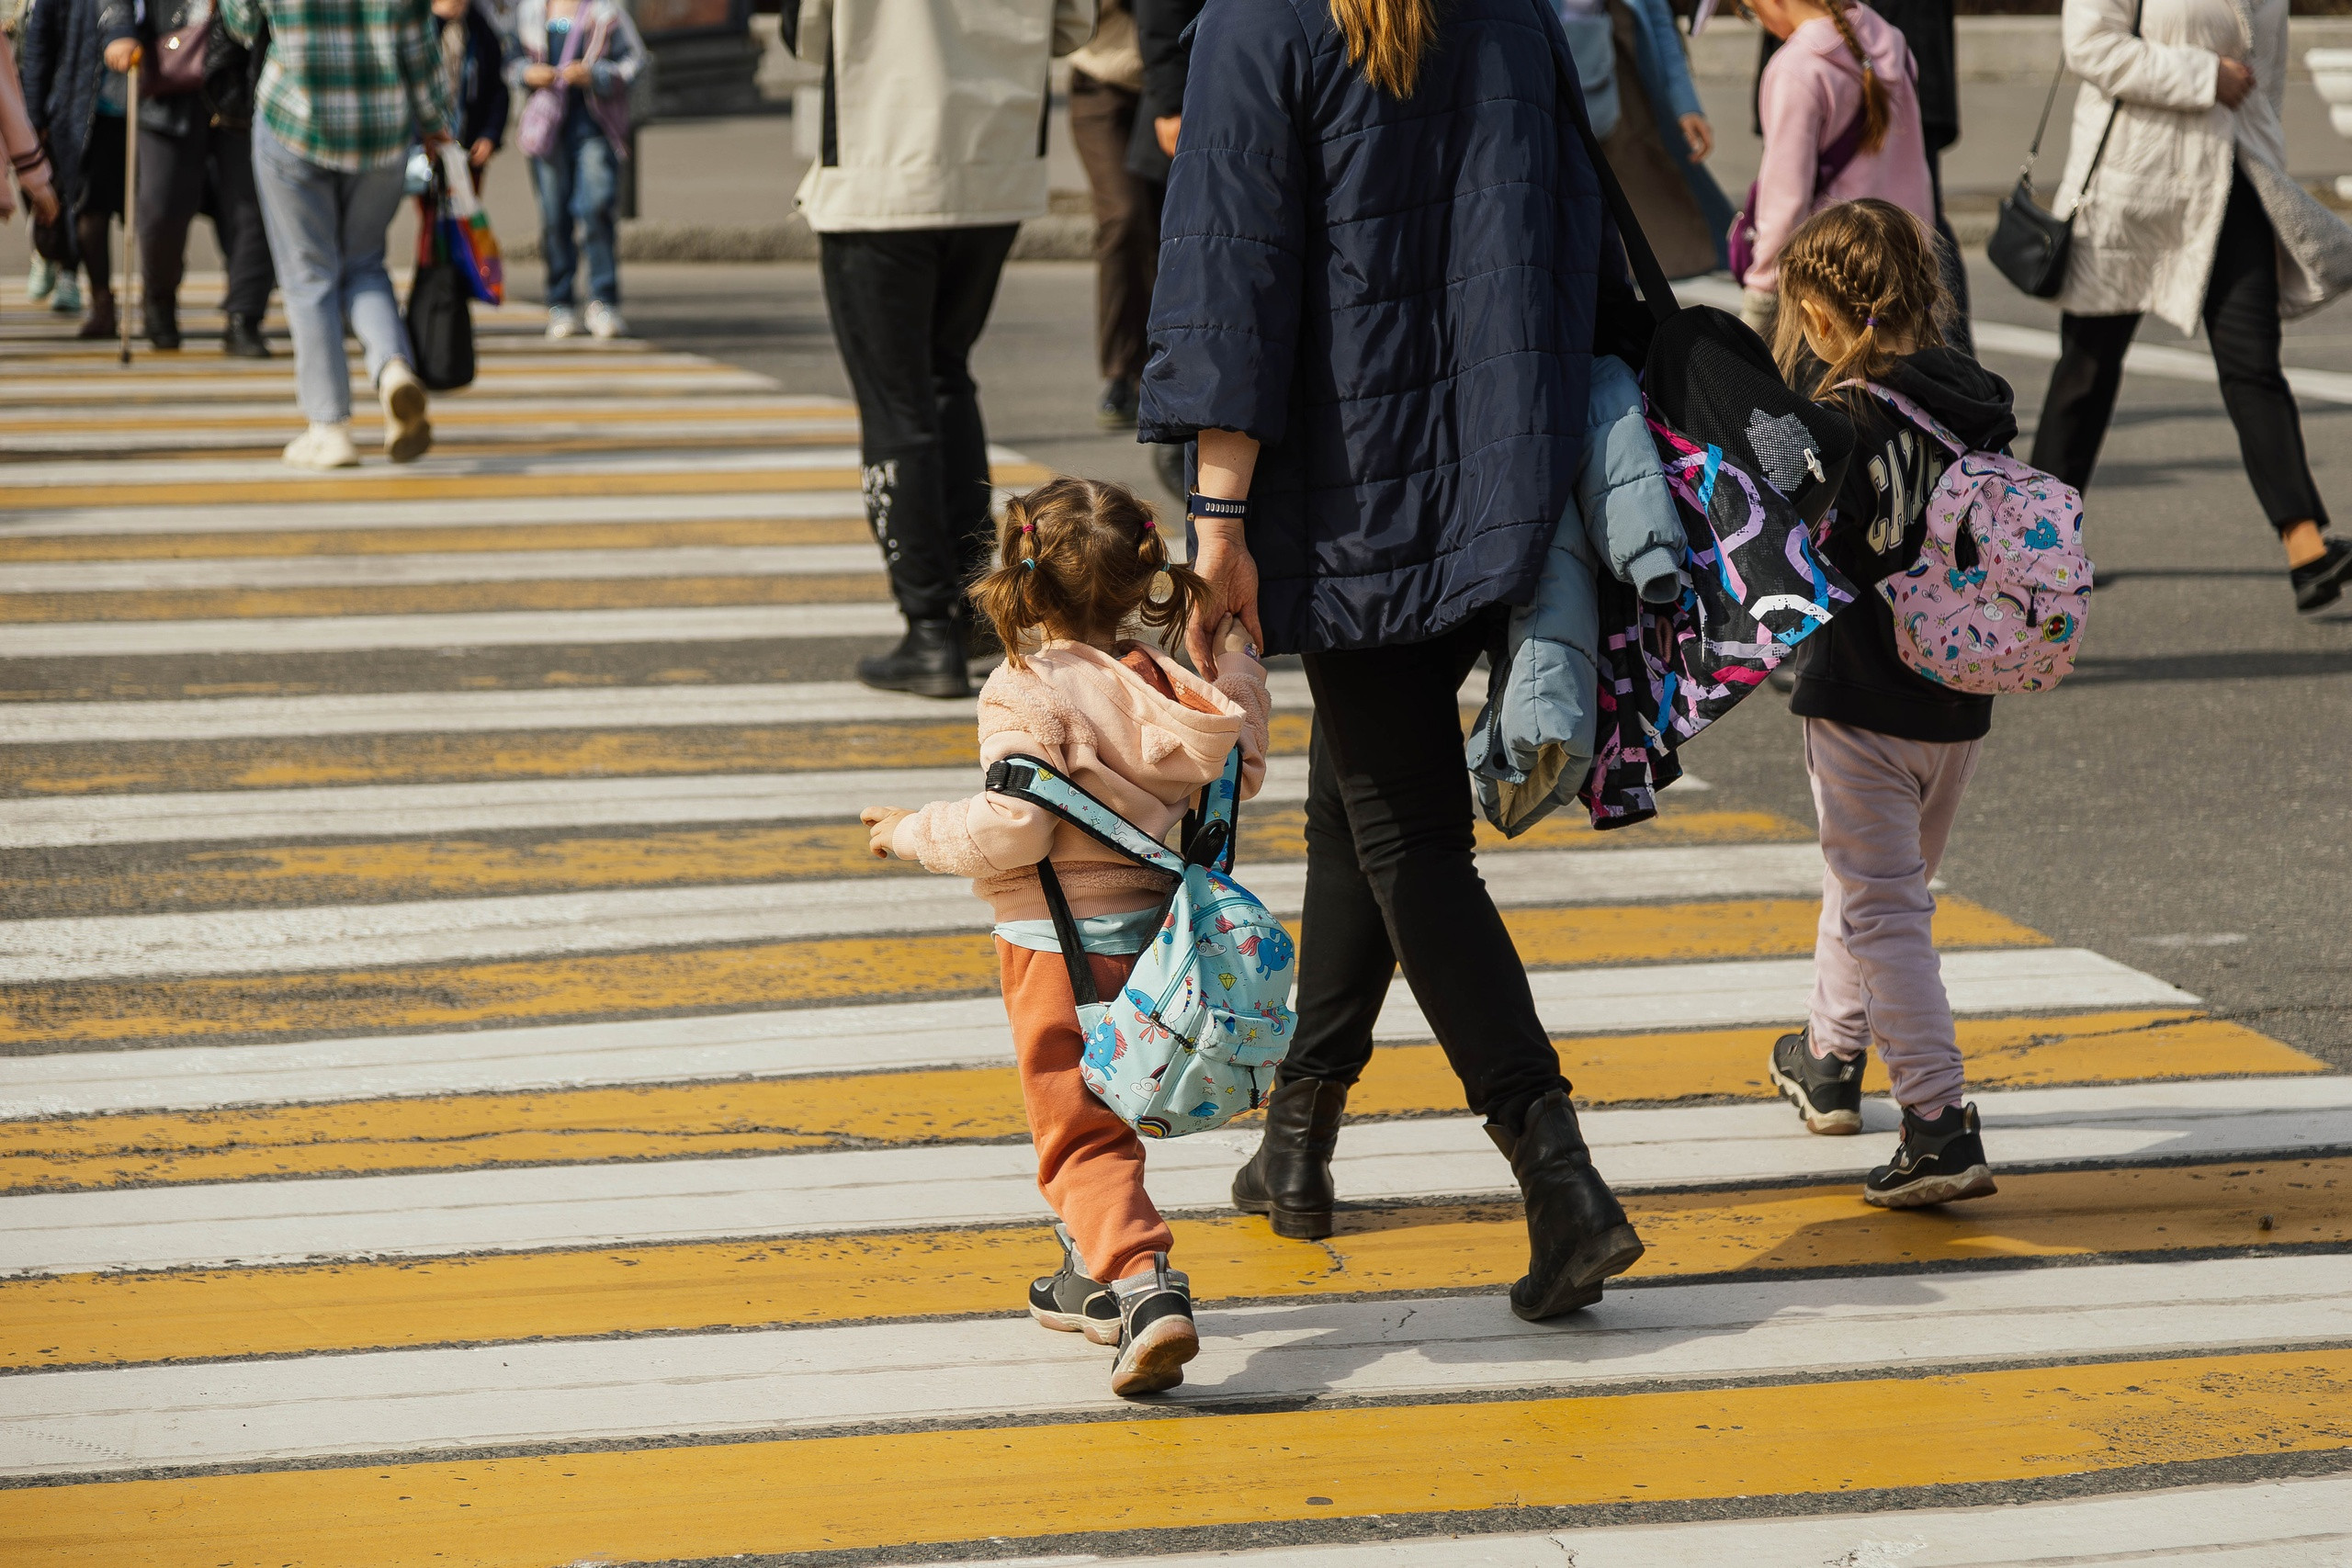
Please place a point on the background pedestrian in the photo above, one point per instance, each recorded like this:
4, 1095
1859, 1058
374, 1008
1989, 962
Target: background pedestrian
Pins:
1105, 104
577, 58
473, 53
1840, 109
349, 88
933, 151
75, 96
1660, 139
2191, 212
231, 79
42, 277
28, 164
1388, 425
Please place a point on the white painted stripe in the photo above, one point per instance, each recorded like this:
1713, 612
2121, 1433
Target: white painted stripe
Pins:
541, 380
541, 925
183, 575
616, 433
132, 473
1308, 1351
2037, 342
2267, 1524
511, 628
796, 411
597, 708
805, 1194
278, 516
953, 1034
423, 810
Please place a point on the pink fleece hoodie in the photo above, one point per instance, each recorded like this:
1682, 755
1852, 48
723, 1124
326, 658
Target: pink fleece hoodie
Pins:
1140, 754
1811, 91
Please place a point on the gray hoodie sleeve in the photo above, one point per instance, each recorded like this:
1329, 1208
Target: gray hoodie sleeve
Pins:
1629, 514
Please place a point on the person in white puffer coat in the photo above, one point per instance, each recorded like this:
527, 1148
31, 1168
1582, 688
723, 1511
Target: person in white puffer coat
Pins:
2190, 212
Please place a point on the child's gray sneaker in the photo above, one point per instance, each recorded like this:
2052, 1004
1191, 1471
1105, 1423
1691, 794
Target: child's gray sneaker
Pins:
1827, 1090
1155, 1332
1070, 1303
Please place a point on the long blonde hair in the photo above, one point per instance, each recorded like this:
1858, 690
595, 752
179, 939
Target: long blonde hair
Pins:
1387, 39
1878, 110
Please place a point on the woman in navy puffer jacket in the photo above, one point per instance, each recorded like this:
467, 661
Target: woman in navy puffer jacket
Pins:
1377, 278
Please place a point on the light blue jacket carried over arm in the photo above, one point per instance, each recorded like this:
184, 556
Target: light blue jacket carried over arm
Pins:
1534, 739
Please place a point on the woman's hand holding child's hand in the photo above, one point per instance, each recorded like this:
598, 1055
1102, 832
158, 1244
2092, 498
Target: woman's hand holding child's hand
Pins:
1235, 637
881, 821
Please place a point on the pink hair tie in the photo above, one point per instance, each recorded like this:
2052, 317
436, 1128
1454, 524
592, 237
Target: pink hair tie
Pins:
1150, 522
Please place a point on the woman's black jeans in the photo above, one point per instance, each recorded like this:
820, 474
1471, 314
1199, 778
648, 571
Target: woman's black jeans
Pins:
1390, 878
2242, 319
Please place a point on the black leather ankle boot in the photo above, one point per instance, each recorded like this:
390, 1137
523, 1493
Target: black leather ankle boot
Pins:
242, 339
1577, 1231
1289, 1179
162, 323
929, 661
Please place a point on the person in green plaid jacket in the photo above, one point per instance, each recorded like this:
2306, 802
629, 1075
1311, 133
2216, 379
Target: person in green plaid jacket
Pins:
349, 87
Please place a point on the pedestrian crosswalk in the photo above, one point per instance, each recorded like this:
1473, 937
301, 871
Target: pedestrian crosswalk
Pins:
466, 1096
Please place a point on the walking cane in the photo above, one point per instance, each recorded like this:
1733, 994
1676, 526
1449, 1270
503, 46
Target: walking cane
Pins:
129, 197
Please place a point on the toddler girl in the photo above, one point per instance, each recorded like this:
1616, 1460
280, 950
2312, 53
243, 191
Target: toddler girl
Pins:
1889, 751
1083, 563
1839, 108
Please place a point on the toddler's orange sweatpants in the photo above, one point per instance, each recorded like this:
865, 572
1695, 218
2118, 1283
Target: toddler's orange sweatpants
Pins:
1090, 1164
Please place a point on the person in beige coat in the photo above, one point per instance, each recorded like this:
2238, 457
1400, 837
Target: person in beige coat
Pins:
932, 152
2190, 212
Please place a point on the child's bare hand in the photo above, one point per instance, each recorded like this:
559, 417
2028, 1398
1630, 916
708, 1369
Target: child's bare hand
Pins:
881, 821
1233, 637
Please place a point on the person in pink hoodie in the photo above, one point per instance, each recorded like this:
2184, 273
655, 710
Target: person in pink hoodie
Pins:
1839, 103
1080, 563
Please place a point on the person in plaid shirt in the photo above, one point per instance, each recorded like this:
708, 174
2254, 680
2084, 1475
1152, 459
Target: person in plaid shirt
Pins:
350, 86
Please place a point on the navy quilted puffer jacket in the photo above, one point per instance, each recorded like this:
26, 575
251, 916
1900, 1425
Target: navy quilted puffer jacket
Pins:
1394, 297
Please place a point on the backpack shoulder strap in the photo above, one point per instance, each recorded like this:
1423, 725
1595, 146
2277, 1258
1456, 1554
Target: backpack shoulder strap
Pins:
1914, 412
1211, 828
1041, 785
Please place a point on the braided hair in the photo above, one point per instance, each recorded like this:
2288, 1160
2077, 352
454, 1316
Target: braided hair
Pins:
1079, 561
1877, 110
1871, 267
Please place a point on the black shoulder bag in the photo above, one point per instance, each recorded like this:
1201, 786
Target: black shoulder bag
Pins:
2029, 242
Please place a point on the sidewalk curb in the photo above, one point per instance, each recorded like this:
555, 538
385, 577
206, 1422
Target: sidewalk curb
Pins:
1056, 237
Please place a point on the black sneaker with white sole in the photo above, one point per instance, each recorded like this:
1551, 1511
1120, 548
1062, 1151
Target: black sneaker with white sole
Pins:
1938, 1161
1827, 1090
1155, 1332
1070, 1303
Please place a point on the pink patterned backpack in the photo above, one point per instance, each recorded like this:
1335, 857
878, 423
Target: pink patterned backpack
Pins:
2012, 621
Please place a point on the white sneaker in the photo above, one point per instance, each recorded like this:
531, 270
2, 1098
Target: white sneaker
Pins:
604, 321
67, 301
407, 435
563, 322
41, 281
323, 447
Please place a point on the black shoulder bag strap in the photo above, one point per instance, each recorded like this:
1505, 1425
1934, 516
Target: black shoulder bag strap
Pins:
2114, 107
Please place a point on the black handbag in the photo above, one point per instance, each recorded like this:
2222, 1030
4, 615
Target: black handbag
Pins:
2029, 242
440, 312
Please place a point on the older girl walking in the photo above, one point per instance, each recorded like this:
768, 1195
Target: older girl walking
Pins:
1379, 269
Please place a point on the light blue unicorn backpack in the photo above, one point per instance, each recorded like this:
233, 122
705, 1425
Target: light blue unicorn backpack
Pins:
1193, 1038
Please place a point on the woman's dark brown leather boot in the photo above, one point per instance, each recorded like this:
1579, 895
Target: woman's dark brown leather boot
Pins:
1289, 1179
1577, 1231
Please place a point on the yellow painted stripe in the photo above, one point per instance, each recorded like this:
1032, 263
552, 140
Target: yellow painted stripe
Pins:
445, 598
103, 1319
844, 530
583, 1127
366, 421
624, 438
458, 996
1008, 1483
252, 875
113, 767
425, 485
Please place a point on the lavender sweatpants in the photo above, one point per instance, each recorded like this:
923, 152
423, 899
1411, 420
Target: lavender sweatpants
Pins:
1886, 807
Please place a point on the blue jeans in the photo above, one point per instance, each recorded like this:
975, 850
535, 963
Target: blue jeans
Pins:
578, 186
326, 236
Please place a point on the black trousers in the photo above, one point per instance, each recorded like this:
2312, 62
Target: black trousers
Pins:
1390, 878
1949, 263
211, 168
907, 306
2242, 319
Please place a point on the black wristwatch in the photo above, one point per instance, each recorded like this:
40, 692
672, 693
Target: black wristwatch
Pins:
1199, 505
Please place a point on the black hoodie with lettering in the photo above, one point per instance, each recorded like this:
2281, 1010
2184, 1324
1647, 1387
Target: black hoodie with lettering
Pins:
1850, 671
